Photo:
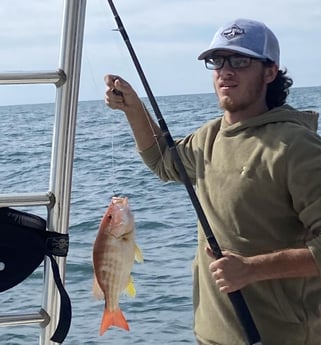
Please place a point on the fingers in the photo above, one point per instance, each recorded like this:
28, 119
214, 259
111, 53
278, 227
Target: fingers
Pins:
217, 272
120, 94
110, 80
116, 83
223, 271
113, 100
221, 281
114, 95
230, 272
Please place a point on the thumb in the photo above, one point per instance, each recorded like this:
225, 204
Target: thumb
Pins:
129, 95
209, 252
116, 82
122, 85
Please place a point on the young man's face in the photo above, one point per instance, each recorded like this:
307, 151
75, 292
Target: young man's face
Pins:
239, 89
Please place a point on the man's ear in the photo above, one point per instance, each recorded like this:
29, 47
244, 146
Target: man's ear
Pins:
271, 73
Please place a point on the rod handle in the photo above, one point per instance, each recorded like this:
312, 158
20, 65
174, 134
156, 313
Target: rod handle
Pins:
245, 317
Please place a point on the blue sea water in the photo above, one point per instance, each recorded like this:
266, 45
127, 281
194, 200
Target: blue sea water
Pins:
105, 163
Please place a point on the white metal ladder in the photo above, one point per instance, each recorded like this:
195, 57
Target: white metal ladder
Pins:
57, 199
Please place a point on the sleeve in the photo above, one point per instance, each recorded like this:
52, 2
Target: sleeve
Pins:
160, 160
304, 179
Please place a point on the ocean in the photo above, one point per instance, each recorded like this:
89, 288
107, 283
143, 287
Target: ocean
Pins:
106, 163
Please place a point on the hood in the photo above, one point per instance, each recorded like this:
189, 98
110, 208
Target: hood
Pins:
285, 113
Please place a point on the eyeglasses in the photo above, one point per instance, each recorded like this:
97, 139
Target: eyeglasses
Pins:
236, 61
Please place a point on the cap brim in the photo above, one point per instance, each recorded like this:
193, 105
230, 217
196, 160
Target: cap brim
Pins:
236, 49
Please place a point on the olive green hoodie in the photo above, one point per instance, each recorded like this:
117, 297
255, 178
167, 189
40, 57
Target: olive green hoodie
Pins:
259, 183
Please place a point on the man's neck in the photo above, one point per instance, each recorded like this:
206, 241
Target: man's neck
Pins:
241, 115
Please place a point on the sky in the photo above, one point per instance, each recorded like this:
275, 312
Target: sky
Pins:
167, 36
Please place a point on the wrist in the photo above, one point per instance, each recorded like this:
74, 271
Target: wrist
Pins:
254, 274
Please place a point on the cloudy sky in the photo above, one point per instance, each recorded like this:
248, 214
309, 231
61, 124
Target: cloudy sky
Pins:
166, 34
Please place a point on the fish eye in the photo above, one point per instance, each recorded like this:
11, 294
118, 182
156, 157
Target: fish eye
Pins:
110, 216
125, 237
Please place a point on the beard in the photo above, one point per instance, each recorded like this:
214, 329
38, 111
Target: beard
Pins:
231, 105
245, 98
228, 104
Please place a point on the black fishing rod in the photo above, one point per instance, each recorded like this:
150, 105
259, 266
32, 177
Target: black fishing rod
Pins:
235, 297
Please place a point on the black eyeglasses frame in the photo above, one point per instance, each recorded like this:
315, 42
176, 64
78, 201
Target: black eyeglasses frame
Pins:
230, 58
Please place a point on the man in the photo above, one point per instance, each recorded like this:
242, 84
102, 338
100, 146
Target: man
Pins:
257, 172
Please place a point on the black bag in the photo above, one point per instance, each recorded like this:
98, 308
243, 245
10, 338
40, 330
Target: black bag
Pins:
24, 242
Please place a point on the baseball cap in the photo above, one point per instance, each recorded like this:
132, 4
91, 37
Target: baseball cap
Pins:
248, 37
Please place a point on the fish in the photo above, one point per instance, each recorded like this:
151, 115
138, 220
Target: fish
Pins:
114, 254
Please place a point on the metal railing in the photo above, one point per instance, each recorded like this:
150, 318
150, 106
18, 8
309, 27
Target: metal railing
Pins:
57, 199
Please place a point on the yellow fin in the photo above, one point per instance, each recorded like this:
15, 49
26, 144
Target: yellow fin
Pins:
130, 288
138, 254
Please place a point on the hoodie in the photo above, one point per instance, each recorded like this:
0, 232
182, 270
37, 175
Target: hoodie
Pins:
259, 184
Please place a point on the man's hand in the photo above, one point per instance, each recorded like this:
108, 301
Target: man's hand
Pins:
120, 95
231, 273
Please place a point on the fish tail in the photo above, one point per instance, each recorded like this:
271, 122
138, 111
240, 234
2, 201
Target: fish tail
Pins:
113, 318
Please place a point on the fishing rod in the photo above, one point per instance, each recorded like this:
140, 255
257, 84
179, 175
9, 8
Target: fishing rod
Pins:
235, 297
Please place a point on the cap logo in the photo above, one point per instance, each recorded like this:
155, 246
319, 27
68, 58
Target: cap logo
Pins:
233, 32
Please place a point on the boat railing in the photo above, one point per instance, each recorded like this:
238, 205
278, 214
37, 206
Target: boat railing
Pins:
57, 199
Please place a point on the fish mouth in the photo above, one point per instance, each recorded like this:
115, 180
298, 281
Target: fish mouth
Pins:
116, 200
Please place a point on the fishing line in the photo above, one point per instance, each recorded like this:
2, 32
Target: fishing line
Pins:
101, 110
110, 166
236, 297
156, 137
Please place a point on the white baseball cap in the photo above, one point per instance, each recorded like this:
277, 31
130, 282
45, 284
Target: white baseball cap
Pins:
248, 37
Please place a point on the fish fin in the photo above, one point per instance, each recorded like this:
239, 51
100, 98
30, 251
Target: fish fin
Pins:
130, 288
97, 291
138, 254
113, 318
